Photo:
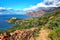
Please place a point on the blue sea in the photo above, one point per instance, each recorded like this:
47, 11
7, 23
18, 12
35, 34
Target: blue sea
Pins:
5, 25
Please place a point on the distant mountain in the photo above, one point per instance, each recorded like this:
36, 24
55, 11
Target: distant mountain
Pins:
37, 13
10, 11
41, 11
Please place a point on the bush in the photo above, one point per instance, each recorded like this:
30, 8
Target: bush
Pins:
55, 34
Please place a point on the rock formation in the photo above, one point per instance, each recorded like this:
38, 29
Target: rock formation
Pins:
16, 35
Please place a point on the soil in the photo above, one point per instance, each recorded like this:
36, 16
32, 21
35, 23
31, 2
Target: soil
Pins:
43, 34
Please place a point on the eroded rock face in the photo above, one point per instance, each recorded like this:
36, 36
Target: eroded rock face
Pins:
5, 36
16, 35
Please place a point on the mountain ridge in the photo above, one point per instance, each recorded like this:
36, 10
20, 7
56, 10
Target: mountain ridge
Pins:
42, 11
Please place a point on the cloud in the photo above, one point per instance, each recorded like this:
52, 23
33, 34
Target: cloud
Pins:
1, 8
9, 8
10, 11
4, 8
45, 3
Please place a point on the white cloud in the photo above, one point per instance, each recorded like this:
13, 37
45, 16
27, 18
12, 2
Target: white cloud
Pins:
9, 8
1, 8
4, 8
51, 3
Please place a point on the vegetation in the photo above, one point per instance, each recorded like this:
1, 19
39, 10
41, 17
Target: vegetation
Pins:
55, 34
37, 32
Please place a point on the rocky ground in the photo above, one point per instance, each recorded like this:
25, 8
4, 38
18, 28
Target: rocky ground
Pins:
18, 34
26, 35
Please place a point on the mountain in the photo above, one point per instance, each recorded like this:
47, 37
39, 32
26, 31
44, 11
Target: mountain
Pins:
38, 13
10, 11
41, 11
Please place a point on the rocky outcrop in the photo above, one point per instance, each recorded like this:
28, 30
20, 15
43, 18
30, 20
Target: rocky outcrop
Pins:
16, 35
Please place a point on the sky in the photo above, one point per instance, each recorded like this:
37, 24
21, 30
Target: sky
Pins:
18, 4
28, 4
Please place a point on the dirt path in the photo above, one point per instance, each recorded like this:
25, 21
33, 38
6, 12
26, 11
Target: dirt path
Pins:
43, 34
